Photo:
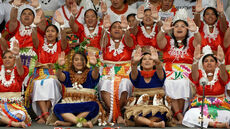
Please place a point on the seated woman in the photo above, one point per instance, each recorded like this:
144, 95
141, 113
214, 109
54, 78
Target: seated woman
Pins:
12, 74
79, 106
43, 87
216, 108
151, 77
117, 47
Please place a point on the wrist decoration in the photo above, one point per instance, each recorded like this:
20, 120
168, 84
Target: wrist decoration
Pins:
125, 29
222, 62
157, 20
197, 30
162, 30
105, 13
138, 19
98, 64
17, 56
62, 27
195, 61
80, 122
196, 12
15, 6
57, 66
38, 7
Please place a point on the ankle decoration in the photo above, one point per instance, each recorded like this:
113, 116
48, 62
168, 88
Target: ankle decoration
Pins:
80, 122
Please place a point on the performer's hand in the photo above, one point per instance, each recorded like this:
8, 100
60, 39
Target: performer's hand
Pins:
199, 7
106, 22
124, 22
191, 25
140, 12
92, 58
220, 54
103, 7
15, 50
167, 26
137, 55
197, 52
34, 3
59, 18
154, 54
61, 58
37, 18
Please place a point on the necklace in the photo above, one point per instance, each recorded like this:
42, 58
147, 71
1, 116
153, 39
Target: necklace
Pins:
208, 34
25, 30
152, 34
210, 74
87, 31
46, 47
3, 78
178, 52
117, 51
179, 41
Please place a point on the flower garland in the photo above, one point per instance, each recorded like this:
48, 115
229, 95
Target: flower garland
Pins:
47, 49
81, 79
87, 32
209, 35
3, 78
178, 52
25, 30
215, 77
151, 35
117, 51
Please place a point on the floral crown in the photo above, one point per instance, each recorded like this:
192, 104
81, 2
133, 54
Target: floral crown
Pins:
181, 14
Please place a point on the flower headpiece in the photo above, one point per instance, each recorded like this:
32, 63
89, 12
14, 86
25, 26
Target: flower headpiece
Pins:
205, 51
181, 14
25, 6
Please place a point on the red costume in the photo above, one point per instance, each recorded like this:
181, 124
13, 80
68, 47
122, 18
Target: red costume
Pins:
16, 85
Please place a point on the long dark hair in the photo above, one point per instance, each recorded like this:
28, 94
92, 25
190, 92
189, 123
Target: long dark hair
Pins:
208, 56
78, 53
184, 41
214, 10
55, 27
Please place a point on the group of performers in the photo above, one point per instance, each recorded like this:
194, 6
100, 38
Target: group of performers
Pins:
115, 64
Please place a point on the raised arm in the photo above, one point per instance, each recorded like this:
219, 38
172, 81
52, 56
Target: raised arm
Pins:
73, 25
15, 51
61, 61
60, 20
199, 9
227, 38
220, 58
197, 56
135, 60
13, 15
159, 66
42, 23
104, 32
3, 43
222, 18
161, 40
139, 17
193, 28
128, 39
35, 39
93, 61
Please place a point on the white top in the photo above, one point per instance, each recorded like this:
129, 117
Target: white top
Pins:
51, 5
185, 4
117, 17
68, 14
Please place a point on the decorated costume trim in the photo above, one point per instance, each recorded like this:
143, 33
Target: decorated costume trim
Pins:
178, 52
215, 77
117, 51
46, 47
3, 78
87, 32
151, 35
25, 30
208, 34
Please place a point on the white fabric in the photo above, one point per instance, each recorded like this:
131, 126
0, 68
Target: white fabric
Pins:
50, 90
192, 115
227, 87
185, 4
125, 85
177, 89
51, 5
115, 17
68, 14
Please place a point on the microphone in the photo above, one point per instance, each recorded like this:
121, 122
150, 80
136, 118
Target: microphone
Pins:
203, 81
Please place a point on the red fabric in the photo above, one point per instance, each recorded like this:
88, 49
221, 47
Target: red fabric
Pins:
1, 52
214, 43
125, 56
172, 10
147, 74
44, 57
217, 89
63, 10
143, 41
94, 42
120, 12
24, 41
188, 58
227, 56
16, 86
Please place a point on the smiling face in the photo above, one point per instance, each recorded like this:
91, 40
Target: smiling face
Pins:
27, 17
209, 64
8, 60
147, 63
180, 29
116, 30
148, 19
79, 62
210, 17
166, 4
51, 33
90, 18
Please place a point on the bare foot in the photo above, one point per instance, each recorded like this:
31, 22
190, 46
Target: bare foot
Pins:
88, 124
120, 120
41, 121
19, 124
160, 124
62, 123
